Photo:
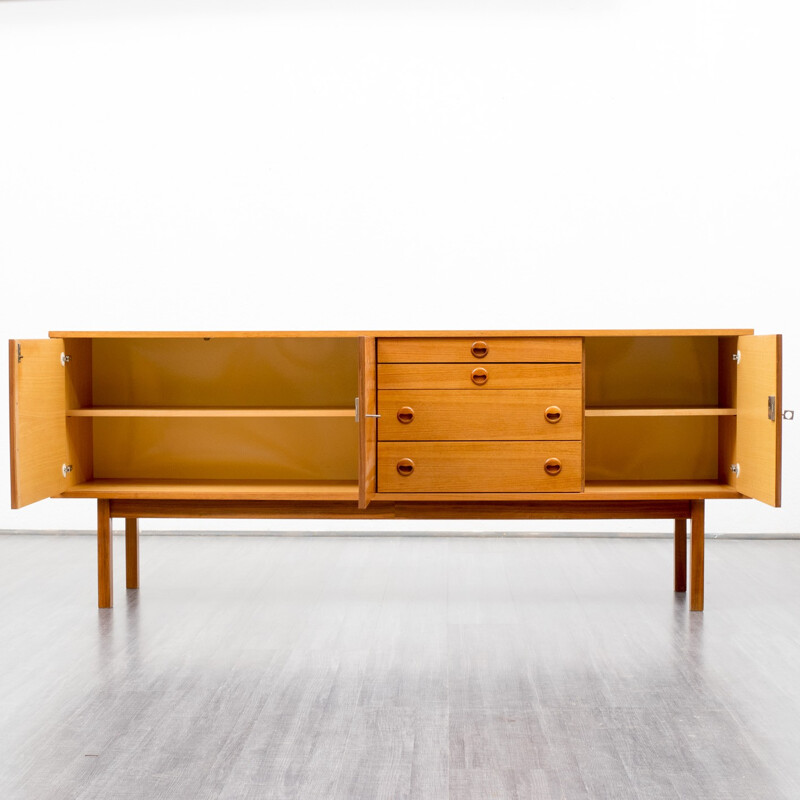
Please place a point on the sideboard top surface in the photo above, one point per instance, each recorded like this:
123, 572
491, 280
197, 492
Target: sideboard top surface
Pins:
438, 333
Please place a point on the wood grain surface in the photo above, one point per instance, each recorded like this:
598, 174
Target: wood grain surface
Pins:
498, 376
758, 438
479, 467
402, 333
498, 349
464, 414
37, 389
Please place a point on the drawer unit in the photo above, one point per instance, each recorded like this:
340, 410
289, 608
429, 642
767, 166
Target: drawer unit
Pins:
488, 376
495, 414
434, 414
479, 467
486, 351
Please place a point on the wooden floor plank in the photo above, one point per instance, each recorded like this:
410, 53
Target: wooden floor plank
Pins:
420, 668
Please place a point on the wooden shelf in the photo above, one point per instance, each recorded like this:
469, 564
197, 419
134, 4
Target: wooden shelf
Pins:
646, 411
169, 489
594, 490
665, 490
232, 412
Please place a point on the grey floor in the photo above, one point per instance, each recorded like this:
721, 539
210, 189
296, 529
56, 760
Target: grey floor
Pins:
254, 667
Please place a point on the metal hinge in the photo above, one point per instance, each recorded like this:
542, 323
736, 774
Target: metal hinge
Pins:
374, 416
735, 469
66, 469
771, 407
65, 359
19, 352
737, 356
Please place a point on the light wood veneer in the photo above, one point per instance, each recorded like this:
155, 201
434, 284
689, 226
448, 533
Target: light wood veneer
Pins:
521, 424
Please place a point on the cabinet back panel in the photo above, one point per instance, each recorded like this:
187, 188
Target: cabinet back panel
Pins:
236, 449
79, 394
651, 448
662, 371
225, 372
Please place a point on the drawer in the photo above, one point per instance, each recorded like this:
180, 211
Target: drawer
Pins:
479, 467
437, 414
488, 376
483, 350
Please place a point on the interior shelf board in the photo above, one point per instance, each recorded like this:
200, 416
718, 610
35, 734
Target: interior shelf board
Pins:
212, 411
670, 411
172, 489
594, 490
668, 490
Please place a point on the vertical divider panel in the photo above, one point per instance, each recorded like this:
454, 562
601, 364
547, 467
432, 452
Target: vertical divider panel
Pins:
80, 430
727, 399
583, 415
367, 425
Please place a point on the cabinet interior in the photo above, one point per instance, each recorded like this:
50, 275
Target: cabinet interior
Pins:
275, 415
659, 408
245, 410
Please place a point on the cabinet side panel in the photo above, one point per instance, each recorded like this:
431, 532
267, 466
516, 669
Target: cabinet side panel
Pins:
79, 395
728, 345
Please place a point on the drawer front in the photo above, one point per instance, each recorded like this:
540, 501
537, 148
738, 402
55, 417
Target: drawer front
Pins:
432, 414
479, 467
485, 351
471, 376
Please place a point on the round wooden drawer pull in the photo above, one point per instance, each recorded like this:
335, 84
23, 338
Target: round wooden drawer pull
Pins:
479, 376
552, 466
405, 466
552, 414
405, 415
480, 349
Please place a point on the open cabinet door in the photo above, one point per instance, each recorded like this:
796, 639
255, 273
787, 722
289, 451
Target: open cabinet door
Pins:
759, 410
37, 396
367, 420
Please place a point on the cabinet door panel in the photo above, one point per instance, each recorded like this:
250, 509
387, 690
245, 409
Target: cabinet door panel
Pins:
758, 437
37, 396
367, 425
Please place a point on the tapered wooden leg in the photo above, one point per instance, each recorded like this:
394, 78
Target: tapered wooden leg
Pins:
105, 556
698, 553
132, 553
680, 555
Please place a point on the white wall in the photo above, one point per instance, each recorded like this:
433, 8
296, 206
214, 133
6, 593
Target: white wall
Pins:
254, 165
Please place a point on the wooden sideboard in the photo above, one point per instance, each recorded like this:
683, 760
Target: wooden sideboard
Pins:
638, 424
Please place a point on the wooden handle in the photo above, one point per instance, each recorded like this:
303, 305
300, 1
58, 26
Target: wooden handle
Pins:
552, 413
479, 376
405, 415
552, 466
479, 349
405, 466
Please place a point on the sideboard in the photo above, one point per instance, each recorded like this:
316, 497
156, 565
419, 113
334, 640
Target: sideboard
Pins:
617, 424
